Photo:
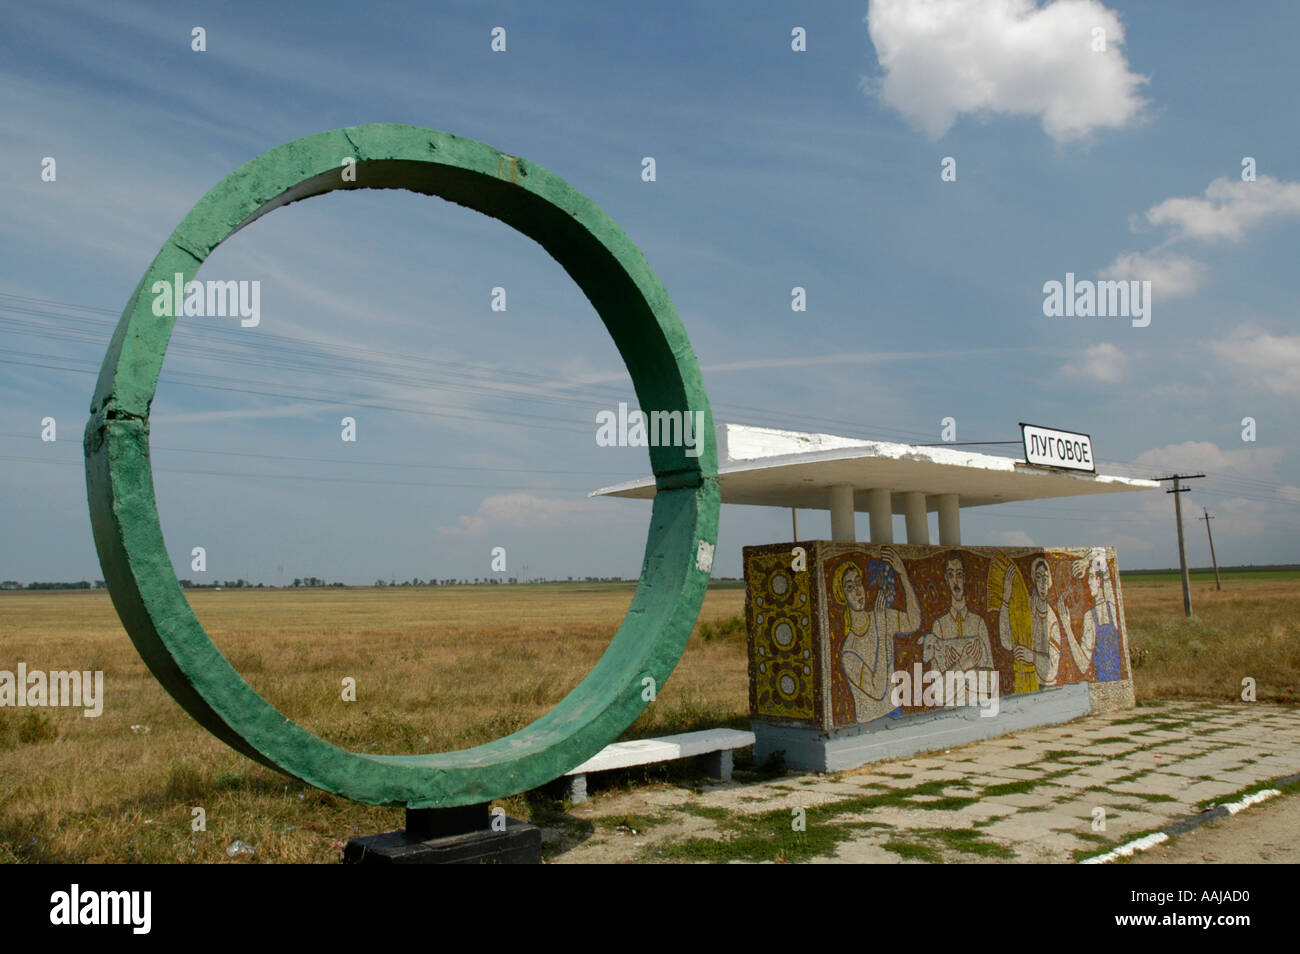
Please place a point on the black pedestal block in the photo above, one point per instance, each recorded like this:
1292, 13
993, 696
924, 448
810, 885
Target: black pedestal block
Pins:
442, 836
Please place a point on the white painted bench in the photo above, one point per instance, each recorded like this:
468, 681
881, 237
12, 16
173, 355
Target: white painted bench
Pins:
717, 745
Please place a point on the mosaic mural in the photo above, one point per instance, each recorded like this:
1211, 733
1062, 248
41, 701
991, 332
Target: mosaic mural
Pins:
785, 679
842, 634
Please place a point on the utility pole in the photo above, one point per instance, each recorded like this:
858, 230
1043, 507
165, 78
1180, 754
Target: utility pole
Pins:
794, 519
1207, 518
1178, 515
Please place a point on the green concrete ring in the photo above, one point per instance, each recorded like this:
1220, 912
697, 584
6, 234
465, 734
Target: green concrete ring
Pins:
645, 326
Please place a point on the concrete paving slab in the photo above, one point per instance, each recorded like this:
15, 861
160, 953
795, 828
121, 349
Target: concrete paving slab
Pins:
861, 853
1016, 800
1020, 827
1172, 785
1047, 823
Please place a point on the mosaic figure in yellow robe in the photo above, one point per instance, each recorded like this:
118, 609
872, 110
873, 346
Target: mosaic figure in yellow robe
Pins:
1036, 647
1015, 621
868, 653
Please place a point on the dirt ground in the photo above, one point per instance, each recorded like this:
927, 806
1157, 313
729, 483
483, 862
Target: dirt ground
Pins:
1265, 833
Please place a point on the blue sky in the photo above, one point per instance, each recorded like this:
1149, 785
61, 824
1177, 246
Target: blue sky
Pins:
774, 169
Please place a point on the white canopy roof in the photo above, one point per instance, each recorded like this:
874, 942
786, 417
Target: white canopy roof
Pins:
773, 468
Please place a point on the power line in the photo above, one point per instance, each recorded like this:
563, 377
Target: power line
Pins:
366, 401
311, 477
407, 362
287, 353
363, 462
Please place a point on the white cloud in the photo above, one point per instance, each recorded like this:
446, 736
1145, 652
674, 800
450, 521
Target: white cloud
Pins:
1195, 456
944, 59
517, 511
1260, 358
1103, 363
1170, 275
1012, 538
859, 358
1125, 542
296, 410
1242, 517
1228, 208
1251, 473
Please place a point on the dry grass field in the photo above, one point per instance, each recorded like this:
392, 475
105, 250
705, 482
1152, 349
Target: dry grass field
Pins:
1250, 629
436, 669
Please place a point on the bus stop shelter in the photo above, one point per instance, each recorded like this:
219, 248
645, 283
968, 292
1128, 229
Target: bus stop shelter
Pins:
862, 650
766, 467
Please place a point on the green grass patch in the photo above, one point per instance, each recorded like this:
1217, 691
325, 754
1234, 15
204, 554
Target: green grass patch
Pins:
1091, 836
1171, 724
1150, 796
764, 839
1027, 785
914, 851
1060, 755
969, 841
1021, 787
711, 812
949, 803
769, 836
1133, 776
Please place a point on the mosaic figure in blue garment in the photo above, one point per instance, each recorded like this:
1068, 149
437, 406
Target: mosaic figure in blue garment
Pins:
1099, 653
1106, 657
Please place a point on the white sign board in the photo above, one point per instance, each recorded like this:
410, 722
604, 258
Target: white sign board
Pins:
1048, 447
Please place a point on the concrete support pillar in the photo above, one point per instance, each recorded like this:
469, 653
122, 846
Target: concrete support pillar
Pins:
842, 523
881, 506
918, 525
949, 520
